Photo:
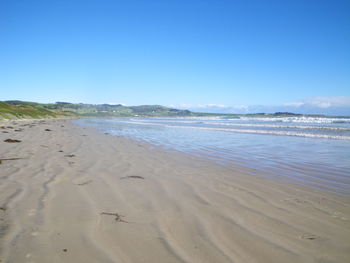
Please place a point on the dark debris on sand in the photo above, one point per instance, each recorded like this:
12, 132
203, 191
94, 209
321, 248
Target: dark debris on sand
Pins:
84, 183
9, 159
132, 177
309, 237
12, 141
118, 217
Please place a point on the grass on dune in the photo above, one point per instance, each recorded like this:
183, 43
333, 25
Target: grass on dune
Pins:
30, 110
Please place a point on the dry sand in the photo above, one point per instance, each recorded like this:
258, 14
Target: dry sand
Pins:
77, 196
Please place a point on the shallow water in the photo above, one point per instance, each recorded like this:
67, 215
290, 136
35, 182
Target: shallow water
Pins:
314, 152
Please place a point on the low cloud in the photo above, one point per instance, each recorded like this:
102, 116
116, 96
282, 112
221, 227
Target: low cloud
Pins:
293, 104
316, 105
322, 102
326, 102
213, 108
115, 103
185, 106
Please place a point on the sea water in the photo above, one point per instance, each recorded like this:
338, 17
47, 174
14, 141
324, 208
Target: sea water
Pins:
311, 151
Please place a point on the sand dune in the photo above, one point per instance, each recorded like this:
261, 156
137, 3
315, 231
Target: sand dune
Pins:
75, 195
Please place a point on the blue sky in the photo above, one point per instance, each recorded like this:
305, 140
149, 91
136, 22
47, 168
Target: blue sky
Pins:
199, 53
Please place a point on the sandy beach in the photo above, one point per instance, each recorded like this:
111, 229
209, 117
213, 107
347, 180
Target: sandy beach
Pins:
72, 194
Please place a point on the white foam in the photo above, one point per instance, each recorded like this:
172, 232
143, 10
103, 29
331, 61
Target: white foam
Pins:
279, 126
267, 132
297, 119
226, 123
285, 133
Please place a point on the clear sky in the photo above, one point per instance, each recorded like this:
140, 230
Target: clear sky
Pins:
174, 52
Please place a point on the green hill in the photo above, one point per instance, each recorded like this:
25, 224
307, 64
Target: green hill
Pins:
21, 109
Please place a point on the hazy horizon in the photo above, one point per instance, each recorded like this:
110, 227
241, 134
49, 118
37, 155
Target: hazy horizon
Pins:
309, 107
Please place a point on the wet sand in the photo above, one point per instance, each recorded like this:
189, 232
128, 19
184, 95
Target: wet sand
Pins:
71, 194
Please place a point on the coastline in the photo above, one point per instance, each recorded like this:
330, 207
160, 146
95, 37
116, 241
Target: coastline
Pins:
111, 199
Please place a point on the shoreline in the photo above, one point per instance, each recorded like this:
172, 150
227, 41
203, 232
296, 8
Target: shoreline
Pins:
326, 182
111, 199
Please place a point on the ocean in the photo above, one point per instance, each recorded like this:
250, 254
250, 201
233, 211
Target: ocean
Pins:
314, 152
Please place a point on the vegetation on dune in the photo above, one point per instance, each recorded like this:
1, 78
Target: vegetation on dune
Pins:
118, 110
18, 110
21, 109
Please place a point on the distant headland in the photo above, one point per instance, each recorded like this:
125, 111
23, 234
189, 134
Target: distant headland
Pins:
16, 109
